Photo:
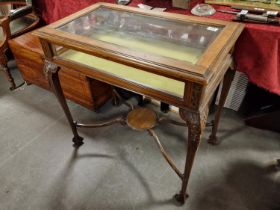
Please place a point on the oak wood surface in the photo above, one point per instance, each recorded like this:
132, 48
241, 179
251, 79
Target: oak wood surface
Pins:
141, 119
77, 87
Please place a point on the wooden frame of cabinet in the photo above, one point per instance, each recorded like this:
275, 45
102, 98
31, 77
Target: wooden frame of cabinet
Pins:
200, 79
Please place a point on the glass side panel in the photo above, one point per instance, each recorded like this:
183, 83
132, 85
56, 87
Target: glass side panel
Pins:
164, 37
156, 82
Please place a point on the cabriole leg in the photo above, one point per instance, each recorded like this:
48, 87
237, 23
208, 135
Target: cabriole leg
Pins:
51, 70
195, 123
225, 89
8, 75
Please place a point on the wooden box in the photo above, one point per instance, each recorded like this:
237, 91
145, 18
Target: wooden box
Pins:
77, 87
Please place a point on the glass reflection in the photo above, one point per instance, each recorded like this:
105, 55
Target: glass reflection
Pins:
145, 33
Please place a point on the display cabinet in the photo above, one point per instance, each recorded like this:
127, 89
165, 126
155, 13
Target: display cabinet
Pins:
177, 59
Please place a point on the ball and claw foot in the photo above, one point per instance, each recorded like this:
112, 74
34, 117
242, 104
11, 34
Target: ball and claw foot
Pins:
213, 140
123, 123
78, 141
180, 198
13, 87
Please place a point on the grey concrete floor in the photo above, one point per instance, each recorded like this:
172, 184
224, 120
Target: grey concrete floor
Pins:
118, 168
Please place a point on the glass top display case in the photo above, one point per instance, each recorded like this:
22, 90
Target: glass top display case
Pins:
132, 45
155, 35
176, 59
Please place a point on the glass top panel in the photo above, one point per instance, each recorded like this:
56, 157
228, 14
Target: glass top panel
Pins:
148, 34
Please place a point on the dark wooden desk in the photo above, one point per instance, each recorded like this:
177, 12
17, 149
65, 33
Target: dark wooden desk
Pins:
172, 58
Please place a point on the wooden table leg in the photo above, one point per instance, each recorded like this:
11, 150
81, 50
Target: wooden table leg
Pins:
225, 89
51, 70
8, 75
5, 69
195, 122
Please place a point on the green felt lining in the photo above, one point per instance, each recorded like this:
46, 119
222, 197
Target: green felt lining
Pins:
155, 46
135, 75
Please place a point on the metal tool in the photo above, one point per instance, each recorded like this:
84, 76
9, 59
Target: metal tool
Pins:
244, 16
257, 10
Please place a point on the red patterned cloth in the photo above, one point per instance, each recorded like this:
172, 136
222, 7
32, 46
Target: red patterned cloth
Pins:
257, 51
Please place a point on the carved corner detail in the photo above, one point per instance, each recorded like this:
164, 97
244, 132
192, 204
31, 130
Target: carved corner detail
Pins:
203, 117
195, 121
50, 67
195, 96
